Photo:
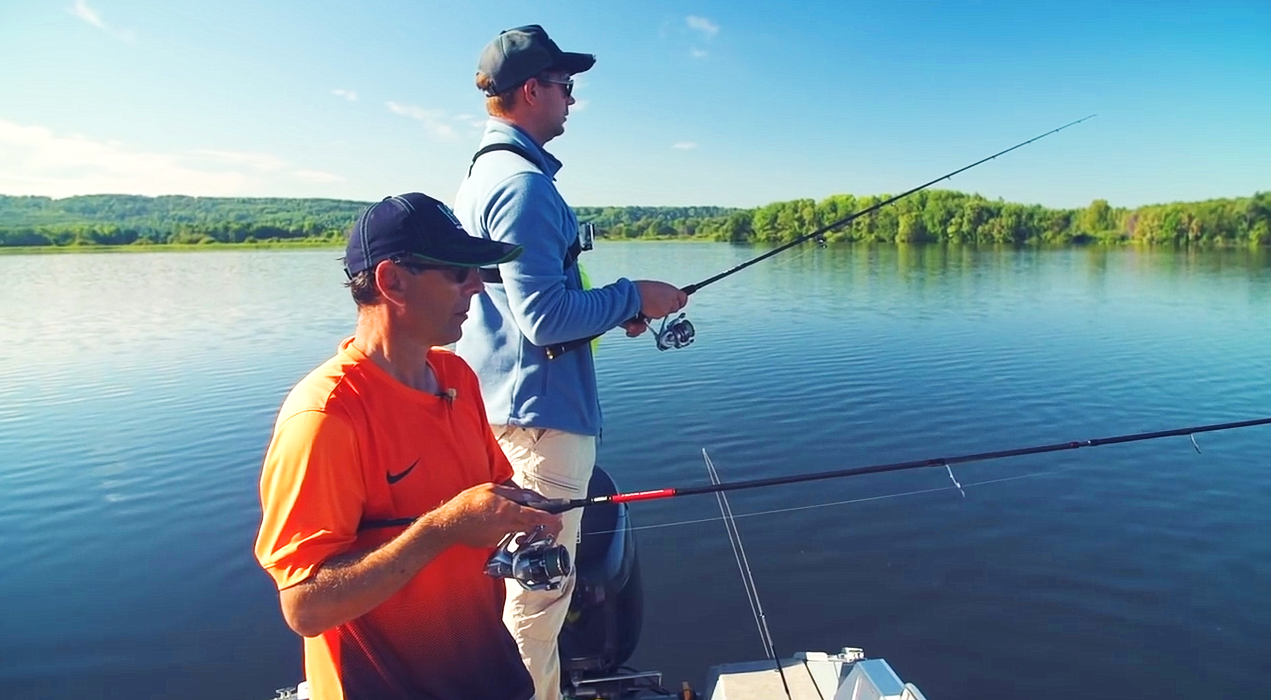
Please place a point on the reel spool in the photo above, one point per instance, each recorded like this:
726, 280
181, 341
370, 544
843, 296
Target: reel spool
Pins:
677, 333
533, 559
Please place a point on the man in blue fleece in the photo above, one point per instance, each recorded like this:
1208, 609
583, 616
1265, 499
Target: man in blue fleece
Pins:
545, 413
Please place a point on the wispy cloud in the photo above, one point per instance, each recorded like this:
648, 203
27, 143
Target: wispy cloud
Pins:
88, 14
317, 176
580, 103
256, 161
37, 161
700, 24
706, 30
436, 121
349, 95
471, 120
685, 145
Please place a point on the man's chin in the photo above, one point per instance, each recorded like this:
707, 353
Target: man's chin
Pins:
454, 335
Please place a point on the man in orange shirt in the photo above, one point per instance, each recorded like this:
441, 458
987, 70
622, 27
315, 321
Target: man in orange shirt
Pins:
391, 428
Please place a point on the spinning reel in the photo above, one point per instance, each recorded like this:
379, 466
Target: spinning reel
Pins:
532, 558
677, 333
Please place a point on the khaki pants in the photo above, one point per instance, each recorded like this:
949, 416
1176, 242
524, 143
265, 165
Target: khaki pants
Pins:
558, 465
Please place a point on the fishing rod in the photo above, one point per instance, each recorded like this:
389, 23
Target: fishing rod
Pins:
562, 505
679, 333
747, 576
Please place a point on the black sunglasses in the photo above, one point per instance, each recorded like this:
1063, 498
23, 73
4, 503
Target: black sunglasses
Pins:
567, 84
456, 273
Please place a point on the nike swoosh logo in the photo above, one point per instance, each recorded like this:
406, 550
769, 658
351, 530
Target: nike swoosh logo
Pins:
394, 478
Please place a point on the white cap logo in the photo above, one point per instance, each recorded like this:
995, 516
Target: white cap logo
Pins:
449, 214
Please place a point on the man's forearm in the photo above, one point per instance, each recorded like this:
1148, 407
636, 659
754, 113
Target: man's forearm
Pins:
546, 316
350, 585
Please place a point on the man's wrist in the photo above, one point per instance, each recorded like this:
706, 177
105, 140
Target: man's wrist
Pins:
632, 306
436, 530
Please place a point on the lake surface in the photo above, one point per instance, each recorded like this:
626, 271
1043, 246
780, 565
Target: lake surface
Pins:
138, 391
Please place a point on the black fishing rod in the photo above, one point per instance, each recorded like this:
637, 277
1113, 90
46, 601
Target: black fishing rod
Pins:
562, 505
683, 335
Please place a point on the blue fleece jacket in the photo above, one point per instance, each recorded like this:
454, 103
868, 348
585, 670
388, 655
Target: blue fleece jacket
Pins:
540, 302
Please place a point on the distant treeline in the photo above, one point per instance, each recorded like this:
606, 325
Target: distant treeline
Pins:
108, 219
948, 217
929, 216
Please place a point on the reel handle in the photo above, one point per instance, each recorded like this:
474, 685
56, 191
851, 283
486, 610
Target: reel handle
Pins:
536, 562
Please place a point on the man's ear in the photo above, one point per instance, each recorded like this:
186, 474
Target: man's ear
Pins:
389, 281
529, 91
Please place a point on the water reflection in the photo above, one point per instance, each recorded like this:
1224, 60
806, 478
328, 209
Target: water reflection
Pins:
137, 392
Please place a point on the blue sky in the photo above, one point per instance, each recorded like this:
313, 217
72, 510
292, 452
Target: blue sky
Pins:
713, 103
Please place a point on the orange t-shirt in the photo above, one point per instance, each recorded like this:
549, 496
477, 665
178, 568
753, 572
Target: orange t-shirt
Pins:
352, 444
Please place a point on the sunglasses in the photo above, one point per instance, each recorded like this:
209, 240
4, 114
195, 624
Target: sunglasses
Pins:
457, 274
567, 84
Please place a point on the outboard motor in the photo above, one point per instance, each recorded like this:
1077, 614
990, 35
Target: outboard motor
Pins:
606, 611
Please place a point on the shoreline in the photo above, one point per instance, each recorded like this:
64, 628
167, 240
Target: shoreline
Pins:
336, 245
165, 248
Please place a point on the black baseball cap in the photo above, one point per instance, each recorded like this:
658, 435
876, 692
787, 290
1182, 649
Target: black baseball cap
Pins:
417, 227
516, 55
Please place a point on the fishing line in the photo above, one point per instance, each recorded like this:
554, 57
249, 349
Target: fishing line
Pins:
743, 564
747, 577
788, 262
555, 351
864, 499
562, 505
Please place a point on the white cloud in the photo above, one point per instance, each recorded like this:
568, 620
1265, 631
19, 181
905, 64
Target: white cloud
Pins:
37, 161
473, 122
349, 95
317, 176
580, 103
685, 145
700, 24
88, 14
255, 161
698, 53
435, 121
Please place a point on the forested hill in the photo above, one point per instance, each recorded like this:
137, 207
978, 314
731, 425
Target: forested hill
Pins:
130, 219
929, 216
109, 219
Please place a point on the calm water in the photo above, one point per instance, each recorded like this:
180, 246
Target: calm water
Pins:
137, 392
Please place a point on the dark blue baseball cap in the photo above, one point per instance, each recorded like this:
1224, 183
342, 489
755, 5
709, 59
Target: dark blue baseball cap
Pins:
516, 55
417, 227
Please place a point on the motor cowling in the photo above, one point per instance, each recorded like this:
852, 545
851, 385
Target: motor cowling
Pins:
606, 612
